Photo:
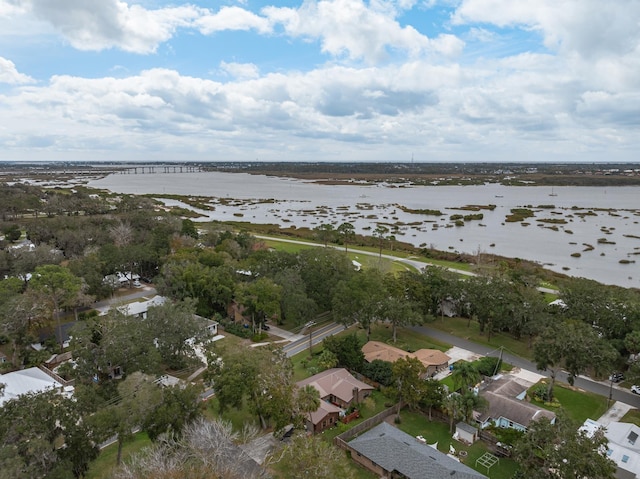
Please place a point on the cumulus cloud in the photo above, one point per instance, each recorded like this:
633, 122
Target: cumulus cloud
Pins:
577, 95
585, 27
103, 24
352, 29
232, 18
240, 70
9, 73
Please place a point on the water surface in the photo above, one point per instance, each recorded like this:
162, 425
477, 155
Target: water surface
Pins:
613, 215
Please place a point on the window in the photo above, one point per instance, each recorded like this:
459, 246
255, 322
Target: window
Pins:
625, 458
609, 452
632, 437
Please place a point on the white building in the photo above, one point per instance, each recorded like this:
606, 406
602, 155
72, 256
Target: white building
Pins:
140, 308
623, 447
25, 381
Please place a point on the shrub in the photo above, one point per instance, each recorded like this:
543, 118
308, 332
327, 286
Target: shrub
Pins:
236, 329
256, 338
488, 366
379, 371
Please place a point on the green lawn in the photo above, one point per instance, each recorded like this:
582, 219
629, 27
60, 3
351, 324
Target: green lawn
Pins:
579, 405
102, 467
278, 243
632, 416
237, 417
288, 247
417, 424
462, 328
379, 402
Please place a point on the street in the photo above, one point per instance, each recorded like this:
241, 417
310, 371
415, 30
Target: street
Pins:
582, 382
317, 336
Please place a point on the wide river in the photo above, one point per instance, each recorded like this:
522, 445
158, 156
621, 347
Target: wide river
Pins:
590, 232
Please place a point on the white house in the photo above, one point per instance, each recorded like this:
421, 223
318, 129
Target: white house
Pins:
140, 308
31, 380
623, 447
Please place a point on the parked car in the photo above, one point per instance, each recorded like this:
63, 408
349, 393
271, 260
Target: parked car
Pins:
635, 389
616, 377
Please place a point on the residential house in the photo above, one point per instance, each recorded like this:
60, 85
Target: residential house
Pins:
209, 325
432, 359
508, 406
25, 381
390, 453
141, 308
623, 447
338, 390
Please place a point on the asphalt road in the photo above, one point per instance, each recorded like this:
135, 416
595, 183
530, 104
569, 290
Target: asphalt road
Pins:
598, 387
317, 336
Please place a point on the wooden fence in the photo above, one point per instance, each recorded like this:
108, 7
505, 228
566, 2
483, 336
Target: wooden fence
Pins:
342, 439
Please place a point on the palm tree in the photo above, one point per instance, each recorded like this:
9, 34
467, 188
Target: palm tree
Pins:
453, 405
465, 375
308, 401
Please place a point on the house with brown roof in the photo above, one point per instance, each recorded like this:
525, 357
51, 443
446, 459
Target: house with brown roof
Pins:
338, 390
432, 359
508, 406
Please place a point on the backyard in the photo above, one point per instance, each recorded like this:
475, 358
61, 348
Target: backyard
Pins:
417, 424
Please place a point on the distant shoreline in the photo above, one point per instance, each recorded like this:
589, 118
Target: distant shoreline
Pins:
364, 174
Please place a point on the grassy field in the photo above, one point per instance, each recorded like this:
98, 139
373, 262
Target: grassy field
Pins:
103, 466
387, 264
579, 405
462, 328
417, 424
632, 416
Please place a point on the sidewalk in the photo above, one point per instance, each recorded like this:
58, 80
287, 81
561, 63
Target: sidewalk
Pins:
284, 334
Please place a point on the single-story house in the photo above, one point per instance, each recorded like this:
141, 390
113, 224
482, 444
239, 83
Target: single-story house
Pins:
390, 453
623, 447
209, 325
508, 407
325, 417
140, 308
432, 359
338, 390
25, 381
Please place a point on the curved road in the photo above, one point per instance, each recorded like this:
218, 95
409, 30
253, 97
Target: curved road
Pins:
598, 387
419, 265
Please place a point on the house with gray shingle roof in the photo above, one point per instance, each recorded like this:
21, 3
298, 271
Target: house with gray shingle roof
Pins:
508, 407
391, 453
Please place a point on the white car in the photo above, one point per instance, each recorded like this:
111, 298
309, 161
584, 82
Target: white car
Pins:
635, 389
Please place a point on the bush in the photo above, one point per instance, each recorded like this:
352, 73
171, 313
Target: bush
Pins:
87, 315
256, 338
236, 329
488, 366
379, 371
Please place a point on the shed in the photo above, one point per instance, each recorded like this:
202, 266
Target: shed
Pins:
466, 433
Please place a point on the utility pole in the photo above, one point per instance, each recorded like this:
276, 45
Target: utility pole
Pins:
310, 325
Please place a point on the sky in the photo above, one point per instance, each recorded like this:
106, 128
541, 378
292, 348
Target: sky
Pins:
320, 80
